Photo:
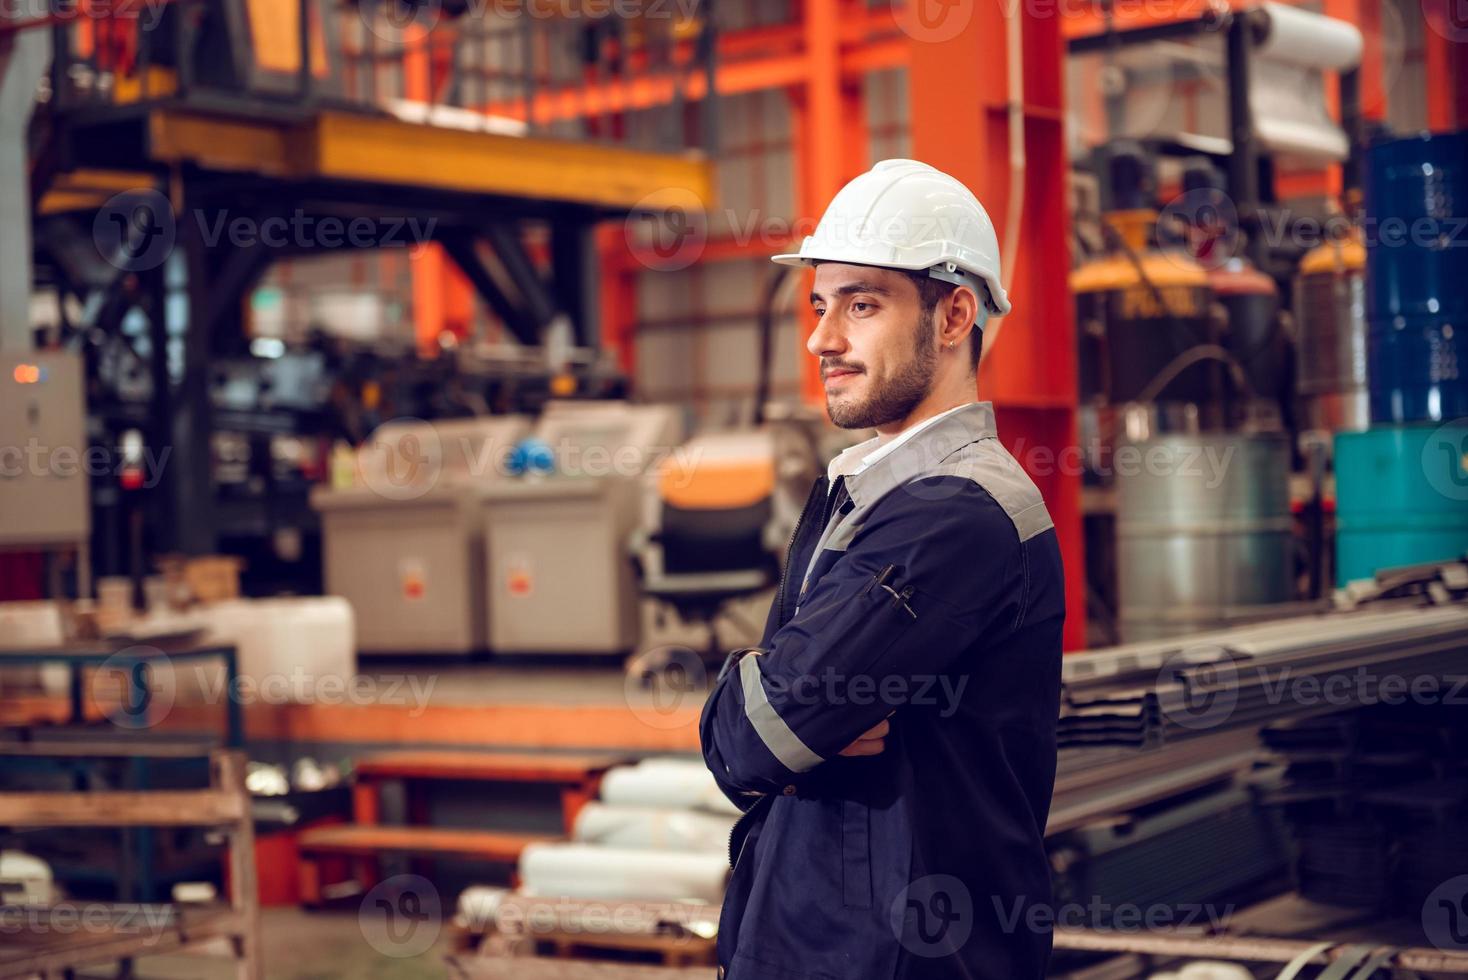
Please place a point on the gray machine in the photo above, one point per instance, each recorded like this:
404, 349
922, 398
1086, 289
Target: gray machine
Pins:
44, 491
406, 545
560, 577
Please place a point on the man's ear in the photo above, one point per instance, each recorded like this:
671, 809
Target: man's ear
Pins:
960, 311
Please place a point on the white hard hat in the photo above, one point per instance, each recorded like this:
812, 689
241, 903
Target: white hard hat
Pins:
903, 214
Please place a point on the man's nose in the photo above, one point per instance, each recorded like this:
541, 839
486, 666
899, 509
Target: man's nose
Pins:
827, 339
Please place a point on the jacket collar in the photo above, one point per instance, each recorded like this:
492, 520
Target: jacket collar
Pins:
921, 453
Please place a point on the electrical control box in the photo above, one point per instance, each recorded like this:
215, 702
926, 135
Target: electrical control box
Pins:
45, 466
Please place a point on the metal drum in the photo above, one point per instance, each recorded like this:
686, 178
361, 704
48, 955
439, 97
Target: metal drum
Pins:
1330, 314
1416, 271
1254, 335
1203, 532
1401, 497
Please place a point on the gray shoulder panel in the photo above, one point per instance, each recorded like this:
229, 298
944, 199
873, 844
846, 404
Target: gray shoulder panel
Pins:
987, 463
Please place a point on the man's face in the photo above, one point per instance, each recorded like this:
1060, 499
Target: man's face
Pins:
878, 350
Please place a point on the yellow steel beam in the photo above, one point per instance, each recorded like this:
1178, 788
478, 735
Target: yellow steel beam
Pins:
374, 149
88, 189
223, 144
60, 202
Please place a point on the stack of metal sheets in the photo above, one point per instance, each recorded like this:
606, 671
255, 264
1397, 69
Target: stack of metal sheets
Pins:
1165, 691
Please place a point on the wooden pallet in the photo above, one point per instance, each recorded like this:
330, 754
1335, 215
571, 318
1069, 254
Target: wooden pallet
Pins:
41, 950
519, 968
666, 934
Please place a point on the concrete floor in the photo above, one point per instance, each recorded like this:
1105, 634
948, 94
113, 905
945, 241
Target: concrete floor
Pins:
320, 946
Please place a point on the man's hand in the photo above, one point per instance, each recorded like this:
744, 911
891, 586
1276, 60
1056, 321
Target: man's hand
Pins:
870, 742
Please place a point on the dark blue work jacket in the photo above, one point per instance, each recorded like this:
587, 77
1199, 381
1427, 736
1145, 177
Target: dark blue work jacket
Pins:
927, 587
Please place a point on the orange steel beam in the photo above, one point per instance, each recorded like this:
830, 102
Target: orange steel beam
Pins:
752, 60
957, 91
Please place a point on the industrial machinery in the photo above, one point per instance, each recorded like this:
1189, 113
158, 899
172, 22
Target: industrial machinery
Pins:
1141, 309
45, 458
405, 546
559, 575
1183, 377
288, 127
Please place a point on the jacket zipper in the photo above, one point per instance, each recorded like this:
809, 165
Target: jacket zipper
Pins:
789, 549
743, 818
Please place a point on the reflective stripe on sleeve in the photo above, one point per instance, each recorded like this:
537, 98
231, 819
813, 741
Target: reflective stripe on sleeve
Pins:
783, 743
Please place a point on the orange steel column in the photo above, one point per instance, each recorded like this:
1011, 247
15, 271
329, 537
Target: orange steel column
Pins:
1443, 37
820, 139
442, 295
618, 295
957, 94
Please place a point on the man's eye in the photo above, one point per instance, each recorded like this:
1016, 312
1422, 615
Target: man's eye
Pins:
820, 312
861, 307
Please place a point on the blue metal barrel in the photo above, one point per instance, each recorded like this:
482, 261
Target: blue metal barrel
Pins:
1417, 277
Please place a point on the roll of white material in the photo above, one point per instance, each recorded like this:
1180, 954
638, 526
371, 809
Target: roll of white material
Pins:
1313, 40
479, 904
585, 871
1213, 970
664, 782
1287, 89
652, 828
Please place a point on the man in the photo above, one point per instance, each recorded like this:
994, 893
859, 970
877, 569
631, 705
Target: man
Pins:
892, 739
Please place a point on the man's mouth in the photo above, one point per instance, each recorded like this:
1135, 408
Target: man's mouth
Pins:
840, 375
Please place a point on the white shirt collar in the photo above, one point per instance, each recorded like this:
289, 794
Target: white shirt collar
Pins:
852, 461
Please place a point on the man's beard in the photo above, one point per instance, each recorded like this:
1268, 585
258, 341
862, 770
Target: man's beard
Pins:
902, 393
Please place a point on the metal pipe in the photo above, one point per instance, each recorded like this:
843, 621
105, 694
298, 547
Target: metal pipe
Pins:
1243, 162
303, 25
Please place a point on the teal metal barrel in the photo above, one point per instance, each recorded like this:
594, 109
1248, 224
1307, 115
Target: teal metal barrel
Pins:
1401, 497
